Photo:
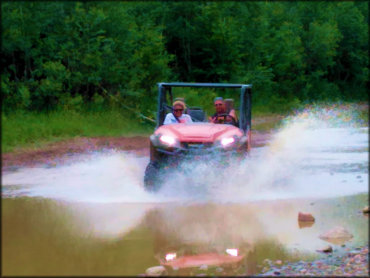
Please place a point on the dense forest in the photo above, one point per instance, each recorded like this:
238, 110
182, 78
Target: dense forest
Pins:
63, 55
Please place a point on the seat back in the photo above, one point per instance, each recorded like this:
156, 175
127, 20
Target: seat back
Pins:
229, 103
167, 109
196, 114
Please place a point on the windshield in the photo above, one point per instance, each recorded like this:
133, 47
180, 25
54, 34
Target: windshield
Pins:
201, 106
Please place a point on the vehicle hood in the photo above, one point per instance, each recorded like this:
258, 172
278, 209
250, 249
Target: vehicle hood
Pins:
199, 132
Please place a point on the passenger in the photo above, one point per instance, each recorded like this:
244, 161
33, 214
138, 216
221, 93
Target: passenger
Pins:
221, 116
177, 115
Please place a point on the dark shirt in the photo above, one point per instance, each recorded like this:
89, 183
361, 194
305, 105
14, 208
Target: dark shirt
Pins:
222, 119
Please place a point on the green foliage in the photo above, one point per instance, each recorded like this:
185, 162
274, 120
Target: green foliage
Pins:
81, 49
73, 55
31, 128
15, 96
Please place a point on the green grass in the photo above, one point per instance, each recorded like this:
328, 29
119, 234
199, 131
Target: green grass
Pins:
26, 129
22, 129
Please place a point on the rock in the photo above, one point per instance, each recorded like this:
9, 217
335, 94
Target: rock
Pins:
337, 235
305, 217
305, 224
156, 271
305, 220
365, 209
327, 249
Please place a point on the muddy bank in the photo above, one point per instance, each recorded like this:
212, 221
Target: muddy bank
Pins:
59, 152
353, 263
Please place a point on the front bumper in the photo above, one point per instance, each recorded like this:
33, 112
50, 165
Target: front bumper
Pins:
207, 155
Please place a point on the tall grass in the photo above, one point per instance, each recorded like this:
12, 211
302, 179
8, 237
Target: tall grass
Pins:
30, 129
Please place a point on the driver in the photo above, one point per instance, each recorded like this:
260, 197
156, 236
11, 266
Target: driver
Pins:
221, 116
177, 115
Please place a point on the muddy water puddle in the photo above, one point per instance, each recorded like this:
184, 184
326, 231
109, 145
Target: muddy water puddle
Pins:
93, 217
45, 237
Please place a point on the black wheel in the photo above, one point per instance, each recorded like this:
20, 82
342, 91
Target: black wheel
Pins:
151, 177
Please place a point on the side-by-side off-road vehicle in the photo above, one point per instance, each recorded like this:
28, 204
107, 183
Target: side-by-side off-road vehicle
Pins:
174, 142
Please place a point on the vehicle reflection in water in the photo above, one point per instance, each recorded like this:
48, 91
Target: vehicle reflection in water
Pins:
44, 237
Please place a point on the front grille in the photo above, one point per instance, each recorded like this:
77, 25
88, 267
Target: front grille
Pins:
192, 145
197, 148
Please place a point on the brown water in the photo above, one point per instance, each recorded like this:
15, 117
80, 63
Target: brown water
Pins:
45, 237
93, 217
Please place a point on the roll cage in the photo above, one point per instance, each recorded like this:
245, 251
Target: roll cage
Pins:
165, 89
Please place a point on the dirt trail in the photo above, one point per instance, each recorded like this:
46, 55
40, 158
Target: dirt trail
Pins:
63, 150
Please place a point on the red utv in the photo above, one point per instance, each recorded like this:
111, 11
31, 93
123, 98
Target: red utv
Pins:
174, 142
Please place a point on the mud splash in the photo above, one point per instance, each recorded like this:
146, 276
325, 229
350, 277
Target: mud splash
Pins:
313, 155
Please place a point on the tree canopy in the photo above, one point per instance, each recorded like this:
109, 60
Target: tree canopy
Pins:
66, 54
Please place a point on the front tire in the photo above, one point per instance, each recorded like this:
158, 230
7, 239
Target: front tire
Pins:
151, 177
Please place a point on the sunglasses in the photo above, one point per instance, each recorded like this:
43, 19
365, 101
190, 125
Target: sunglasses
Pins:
178, 110
218, 104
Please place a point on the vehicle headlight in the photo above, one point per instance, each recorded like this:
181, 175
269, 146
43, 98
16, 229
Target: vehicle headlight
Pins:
227, 141
167, 140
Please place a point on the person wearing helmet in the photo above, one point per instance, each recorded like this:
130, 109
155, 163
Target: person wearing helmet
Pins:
177, 115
